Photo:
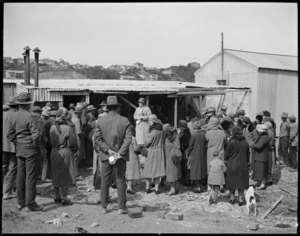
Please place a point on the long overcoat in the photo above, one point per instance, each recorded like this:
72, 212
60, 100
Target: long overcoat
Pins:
237, 158
79, 137
141, 115
172, 151
8, 146
216, 170
197, 152
154, 166
132, 166
62, 156
216, 138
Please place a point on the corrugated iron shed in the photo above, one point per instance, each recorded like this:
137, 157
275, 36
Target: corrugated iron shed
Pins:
267, 61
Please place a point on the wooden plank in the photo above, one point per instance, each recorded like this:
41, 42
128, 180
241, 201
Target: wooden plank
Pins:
288, 192
175, 111
271, 208
127, 101
147, 101
241, 103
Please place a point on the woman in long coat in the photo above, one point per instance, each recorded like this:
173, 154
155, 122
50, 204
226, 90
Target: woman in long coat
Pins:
216, 138
260, 148
237, 158
154, 166
173, 157
196, 153
63, 142
141, 116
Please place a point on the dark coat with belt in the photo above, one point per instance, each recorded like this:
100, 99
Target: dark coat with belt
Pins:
197, 152
24, 133
114, 132
8, 146
237, 158
260, 148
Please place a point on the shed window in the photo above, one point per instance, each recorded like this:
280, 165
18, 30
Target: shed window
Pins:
221, 82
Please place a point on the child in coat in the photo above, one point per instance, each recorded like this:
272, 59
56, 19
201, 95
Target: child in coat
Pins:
216, 178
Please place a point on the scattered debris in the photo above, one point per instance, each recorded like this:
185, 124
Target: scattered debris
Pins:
215, 220
292, 209
94, 224
161, 214
174, 216
135, 212
271, 208
122, 221
80, 230
56, 221
65, 215
280, 225
288, 192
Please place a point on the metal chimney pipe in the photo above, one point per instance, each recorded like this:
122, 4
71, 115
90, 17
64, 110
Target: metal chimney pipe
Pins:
27, 76
25, 67
36, 61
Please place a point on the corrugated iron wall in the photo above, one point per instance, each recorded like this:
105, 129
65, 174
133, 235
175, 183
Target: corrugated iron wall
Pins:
42, 95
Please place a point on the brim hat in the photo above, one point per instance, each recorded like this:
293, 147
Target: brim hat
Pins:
219, 114
261, 128
112, 101
292, 118
213, 121
103, 103
235, 115
246, 120
37, 109
153, 118
211, 109
78, 110
24, 98
12, 101
284, 114
142, 100
241, 112
224, 108
182, 123
91, 108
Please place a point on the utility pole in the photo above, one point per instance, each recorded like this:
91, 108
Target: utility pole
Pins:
222, 52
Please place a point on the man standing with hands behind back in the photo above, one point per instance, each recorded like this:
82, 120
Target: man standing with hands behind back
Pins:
113, 136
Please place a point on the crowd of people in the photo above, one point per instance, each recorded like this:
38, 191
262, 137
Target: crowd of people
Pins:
211, 151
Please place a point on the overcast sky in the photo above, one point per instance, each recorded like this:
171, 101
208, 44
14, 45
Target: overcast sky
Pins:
156, 34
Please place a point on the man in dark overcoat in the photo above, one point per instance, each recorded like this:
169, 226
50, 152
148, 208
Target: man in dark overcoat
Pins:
113, 136
25, 134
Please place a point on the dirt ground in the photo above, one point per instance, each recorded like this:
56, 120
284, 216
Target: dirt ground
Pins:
198, 216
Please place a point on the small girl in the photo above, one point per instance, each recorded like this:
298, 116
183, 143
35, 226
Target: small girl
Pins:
216, 178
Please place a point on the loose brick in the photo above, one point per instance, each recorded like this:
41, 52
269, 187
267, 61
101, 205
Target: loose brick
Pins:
254, 226
174, 216
161, 214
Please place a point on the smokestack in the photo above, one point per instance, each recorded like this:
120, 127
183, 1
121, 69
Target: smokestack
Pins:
27, 76
25, 66
36, 61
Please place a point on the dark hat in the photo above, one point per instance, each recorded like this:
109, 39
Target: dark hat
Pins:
236, 130
167, 127
228, 119
246, 119
91, 108
235, 115
216, 152
53, 113
211, 109
142, 100
292, 118
78, 109
12, 101
269, 119
182, 123
284, 114
112, 101
37, 109
224, 108
241, 112
103, 103
72, 106
24, 98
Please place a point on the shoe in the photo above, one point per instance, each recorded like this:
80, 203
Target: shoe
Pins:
46, 181
157, 192
222, 190
152, 185
122, 211
20, 206
129, 191
261, 188
269, 183
8, 196
35, 207
57, 200
104, 210
196, 190
66, 202
148, 191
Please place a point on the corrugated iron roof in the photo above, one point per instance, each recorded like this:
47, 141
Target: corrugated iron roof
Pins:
117, 85
267, 61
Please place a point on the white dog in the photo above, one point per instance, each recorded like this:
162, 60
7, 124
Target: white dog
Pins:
250, 200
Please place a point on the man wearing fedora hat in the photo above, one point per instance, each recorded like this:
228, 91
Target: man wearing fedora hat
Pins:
25, 134
223, 111
293, 142
141, 116
9, 159
284, 135
113, 135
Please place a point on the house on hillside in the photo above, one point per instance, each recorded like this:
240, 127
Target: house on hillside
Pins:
117, 68
63, 63
48, 61
169, 72
138, 65
273, 79
196, 65
14, 74
7, 59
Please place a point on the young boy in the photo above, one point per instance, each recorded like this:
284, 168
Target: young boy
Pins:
216, 178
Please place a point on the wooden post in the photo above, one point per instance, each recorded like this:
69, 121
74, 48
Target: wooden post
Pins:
147, 101
27, 76
271, 208
36, 61
222, 48
175, 111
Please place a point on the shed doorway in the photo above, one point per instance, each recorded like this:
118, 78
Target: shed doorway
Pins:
68, 99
